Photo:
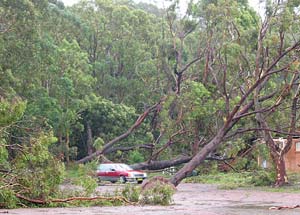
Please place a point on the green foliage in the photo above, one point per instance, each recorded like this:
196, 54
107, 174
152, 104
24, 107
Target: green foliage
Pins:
98, 143
135, 157
263, 178
158, 194
132, 193
83, 176
233, 180
11, 112
34, 173
100, 63
8, 197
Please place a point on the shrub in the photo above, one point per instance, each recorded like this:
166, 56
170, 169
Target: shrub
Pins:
131, 193
158, 194
34, 173
263, 178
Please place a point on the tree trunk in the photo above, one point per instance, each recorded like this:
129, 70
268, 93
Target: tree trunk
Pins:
277, 155
60, 140
89, 142
198, 158
157, 165
67, 147
281, 176
196, 143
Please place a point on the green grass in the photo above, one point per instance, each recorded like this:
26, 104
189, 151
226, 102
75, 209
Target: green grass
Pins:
258, 180
224, 180
292, 187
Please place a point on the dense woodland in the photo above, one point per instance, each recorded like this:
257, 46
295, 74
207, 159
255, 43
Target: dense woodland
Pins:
147, 86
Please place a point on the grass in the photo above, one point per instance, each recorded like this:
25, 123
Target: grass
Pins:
292, 187
258, 180
224, 180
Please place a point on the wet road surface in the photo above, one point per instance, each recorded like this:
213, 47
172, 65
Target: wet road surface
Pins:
190, 199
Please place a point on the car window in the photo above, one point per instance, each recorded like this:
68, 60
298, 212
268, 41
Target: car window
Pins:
117, 167
103, 167
124, 167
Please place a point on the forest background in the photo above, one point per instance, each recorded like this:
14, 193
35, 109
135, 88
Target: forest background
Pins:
142, 85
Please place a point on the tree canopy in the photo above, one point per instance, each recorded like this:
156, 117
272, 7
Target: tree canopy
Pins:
141, 84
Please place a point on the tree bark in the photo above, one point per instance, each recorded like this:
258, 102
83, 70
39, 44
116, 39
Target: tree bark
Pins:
281, 177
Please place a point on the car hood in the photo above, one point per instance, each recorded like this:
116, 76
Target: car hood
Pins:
136, 172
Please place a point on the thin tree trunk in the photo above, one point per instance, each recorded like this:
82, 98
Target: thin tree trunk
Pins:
67, 147
196, 143
60, 140
89, 142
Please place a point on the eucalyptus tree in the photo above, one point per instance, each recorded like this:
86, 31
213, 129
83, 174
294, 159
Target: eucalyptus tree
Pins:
243, 79
281, 29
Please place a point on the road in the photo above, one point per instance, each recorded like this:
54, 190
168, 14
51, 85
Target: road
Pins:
190, 199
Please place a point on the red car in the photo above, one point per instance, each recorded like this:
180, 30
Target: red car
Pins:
114, 172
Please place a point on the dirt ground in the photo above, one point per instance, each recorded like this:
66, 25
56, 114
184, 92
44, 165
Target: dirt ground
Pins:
190, 199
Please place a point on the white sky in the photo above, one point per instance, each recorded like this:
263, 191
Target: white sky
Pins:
253, 3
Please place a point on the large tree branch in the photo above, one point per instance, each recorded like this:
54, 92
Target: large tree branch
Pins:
155, 165
162, 164
70, 199
170, 142
261, 80
108, 145
191, 63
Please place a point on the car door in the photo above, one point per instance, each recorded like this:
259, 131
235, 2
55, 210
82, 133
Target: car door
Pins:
112, 173
102, 172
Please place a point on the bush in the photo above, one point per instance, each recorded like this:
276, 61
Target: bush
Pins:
84, 178
34, 173
263, 178
131, 193
158, 194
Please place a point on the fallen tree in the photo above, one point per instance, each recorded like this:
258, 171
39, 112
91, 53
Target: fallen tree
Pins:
71, 199
137, 123
239, 111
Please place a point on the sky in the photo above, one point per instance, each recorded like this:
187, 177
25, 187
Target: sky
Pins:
253, 3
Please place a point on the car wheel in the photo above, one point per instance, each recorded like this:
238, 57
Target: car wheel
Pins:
139, 182
123, 179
